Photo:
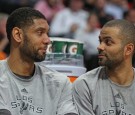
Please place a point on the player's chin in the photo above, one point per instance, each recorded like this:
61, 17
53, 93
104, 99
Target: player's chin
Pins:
40, 58
101, 62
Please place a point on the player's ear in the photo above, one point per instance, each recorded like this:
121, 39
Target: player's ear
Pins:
129, 49
17, 34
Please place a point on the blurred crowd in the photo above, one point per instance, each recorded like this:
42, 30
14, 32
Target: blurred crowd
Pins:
74, 19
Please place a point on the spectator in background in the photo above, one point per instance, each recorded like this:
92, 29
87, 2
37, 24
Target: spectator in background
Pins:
3, 36
102, 15
49, 8
116, 8
67, 21
89, 5
131, 3
130, 15
8, 6
89, 36
3, 20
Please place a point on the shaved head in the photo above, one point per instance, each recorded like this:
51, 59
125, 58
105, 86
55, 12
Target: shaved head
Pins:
127, 30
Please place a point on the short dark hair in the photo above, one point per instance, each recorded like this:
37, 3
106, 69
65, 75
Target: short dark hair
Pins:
22, 17
127, 29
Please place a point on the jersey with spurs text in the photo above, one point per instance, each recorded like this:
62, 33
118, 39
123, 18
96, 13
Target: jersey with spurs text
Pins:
95, 94
47, 92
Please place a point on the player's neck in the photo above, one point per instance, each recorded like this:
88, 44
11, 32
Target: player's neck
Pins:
20, 67
122, 76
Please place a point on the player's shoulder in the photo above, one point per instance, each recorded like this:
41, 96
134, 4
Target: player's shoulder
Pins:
3, 64
51, 74
90, 78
